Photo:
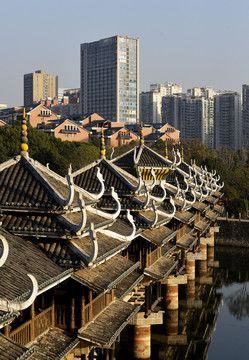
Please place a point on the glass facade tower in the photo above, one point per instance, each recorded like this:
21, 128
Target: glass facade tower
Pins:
110, 78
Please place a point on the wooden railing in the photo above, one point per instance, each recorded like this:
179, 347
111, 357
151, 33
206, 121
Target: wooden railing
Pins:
154, 256
181, 232
197, 219
42, 321
22, 335
95, 307
60, 316
32, 328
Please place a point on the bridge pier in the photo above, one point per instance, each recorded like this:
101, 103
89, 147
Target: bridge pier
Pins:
140, 333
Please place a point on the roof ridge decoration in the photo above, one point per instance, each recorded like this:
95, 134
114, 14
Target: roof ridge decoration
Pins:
141, 134
70, 182
91, 259
24, 136
153, 222
137, 157
102, 188
158, 199
169, 216
4, 251
180, 159
124, 176
113, 216
79, 228
166, 150
102, 144
7, 305
183, 198
123, 237
111, 153
145, 203
177, 187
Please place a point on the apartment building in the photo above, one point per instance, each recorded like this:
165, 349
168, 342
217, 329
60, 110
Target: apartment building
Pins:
110, 78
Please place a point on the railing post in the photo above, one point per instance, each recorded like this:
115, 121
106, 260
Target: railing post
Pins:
32, 323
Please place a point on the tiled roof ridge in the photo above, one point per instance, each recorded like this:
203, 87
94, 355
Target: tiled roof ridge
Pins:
87, 167
123, 155
32, 166
122, 174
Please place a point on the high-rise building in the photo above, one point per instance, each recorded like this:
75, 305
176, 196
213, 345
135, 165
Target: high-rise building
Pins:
150, 107
166, 90
192, 115
39, 85
245, 115
110, 78
228, 120
151, 101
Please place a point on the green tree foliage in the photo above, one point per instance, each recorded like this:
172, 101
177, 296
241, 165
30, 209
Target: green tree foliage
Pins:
59, 154
232, 167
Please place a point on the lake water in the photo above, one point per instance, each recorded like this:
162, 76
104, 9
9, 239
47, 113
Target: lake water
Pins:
230, 340
214, 326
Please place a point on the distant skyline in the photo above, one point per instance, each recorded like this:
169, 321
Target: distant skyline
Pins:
190, 43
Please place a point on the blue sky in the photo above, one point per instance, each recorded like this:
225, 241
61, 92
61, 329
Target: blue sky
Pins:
188, 42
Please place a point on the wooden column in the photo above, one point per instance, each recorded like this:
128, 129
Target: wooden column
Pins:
111, 351
140, 254
72, 313
91, 354
146, 255
82, 310
147, 300
7, 330
32, 324
53, 311
106, 352
90, 305
158, 290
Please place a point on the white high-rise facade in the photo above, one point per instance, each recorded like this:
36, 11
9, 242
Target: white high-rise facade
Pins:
110, 78
228, 120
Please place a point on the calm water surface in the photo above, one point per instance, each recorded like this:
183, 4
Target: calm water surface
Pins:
230, 338
219, 329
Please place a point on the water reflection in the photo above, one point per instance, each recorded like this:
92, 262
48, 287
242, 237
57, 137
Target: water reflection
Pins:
202, 328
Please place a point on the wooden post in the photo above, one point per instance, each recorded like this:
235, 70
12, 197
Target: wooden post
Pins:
147, 300
72, 313
91, 354
7, 330
140, 254
106, 351
82, 305
53, 311
111, 354
113, 294
32, 324
146, 255
90, 305
158, 290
